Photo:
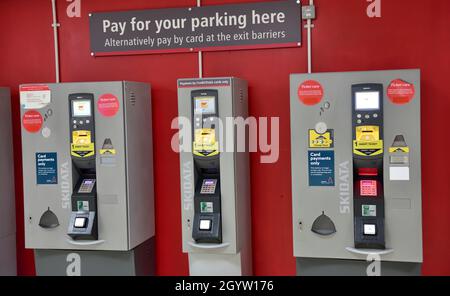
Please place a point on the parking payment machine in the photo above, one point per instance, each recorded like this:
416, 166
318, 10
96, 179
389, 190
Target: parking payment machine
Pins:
88, 178
214, 176
356, 173
7, 199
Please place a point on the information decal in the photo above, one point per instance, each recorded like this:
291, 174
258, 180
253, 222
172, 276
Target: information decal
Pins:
401, 92
218, 27
46, 168
321, 168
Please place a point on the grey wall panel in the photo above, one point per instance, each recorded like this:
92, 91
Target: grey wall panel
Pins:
7, 197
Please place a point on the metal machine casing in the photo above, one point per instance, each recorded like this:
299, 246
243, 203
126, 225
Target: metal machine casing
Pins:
7, 198
402, 198
124, 181
235, 250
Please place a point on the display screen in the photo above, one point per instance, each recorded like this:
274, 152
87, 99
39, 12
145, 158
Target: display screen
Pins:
81, 108
368, 188
205, 105
368, 100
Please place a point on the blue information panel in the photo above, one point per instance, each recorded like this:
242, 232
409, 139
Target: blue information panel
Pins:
46, 168
321, 168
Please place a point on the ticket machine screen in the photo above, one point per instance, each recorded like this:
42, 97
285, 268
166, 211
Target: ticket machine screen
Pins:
205, 105
81, 108
367, 100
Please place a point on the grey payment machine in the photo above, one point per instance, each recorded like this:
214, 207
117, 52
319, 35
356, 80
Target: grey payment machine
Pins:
7, 199
88, 178
215, 186
356, 173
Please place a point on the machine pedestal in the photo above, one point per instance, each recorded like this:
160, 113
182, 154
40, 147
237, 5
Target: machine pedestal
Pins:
8, 265
219, 265
336, 267
137, 262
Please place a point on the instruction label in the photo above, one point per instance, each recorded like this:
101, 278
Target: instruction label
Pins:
321, 168
46, 168
206, 207
32, 121
310, 92
83, 206
317, 140
34, 96
401, 92
108, 105
369, 210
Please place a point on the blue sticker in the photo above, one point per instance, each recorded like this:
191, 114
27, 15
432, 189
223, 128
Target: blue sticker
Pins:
321, 168
46, 168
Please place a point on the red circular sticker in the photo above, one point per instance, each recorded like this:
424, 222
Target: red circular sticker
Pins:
108, 105
400, 92
310, 92
32, 121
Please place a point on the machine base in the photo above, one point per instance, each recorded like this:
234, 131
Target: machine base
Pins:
219, 265
8, 264
336, 267
137, 262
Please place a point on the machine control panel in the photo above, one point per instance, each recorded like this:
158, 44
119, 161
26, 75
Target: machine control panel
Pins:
207, 217
205, 125
82, 126
83, 220
368, 152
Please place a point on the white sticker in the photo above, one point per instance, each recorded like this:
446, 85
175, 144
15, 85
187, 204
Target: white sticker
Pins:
399, 173
46, 132
35, 96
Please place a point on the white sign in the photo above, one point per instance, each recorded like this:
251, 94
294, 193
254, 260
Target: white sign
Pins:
35, 96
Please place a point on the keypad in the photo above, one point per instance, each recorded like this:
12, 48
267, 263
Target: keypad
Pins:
208, 186
368, 188
87, 186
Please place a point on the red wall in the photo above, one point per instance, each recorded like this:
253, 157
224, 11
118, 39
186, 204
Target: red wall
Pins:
410, 34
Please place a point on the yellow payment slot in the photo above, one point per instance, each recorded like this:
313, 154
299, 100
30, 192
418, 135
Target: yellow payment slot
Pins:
82, 145
205, 143
368, 141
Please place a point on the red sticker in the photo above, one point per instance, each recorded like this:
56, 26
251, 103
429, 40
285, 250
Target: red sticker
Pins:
400, 92
37, 87
108, 105
310, 92
32, 121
